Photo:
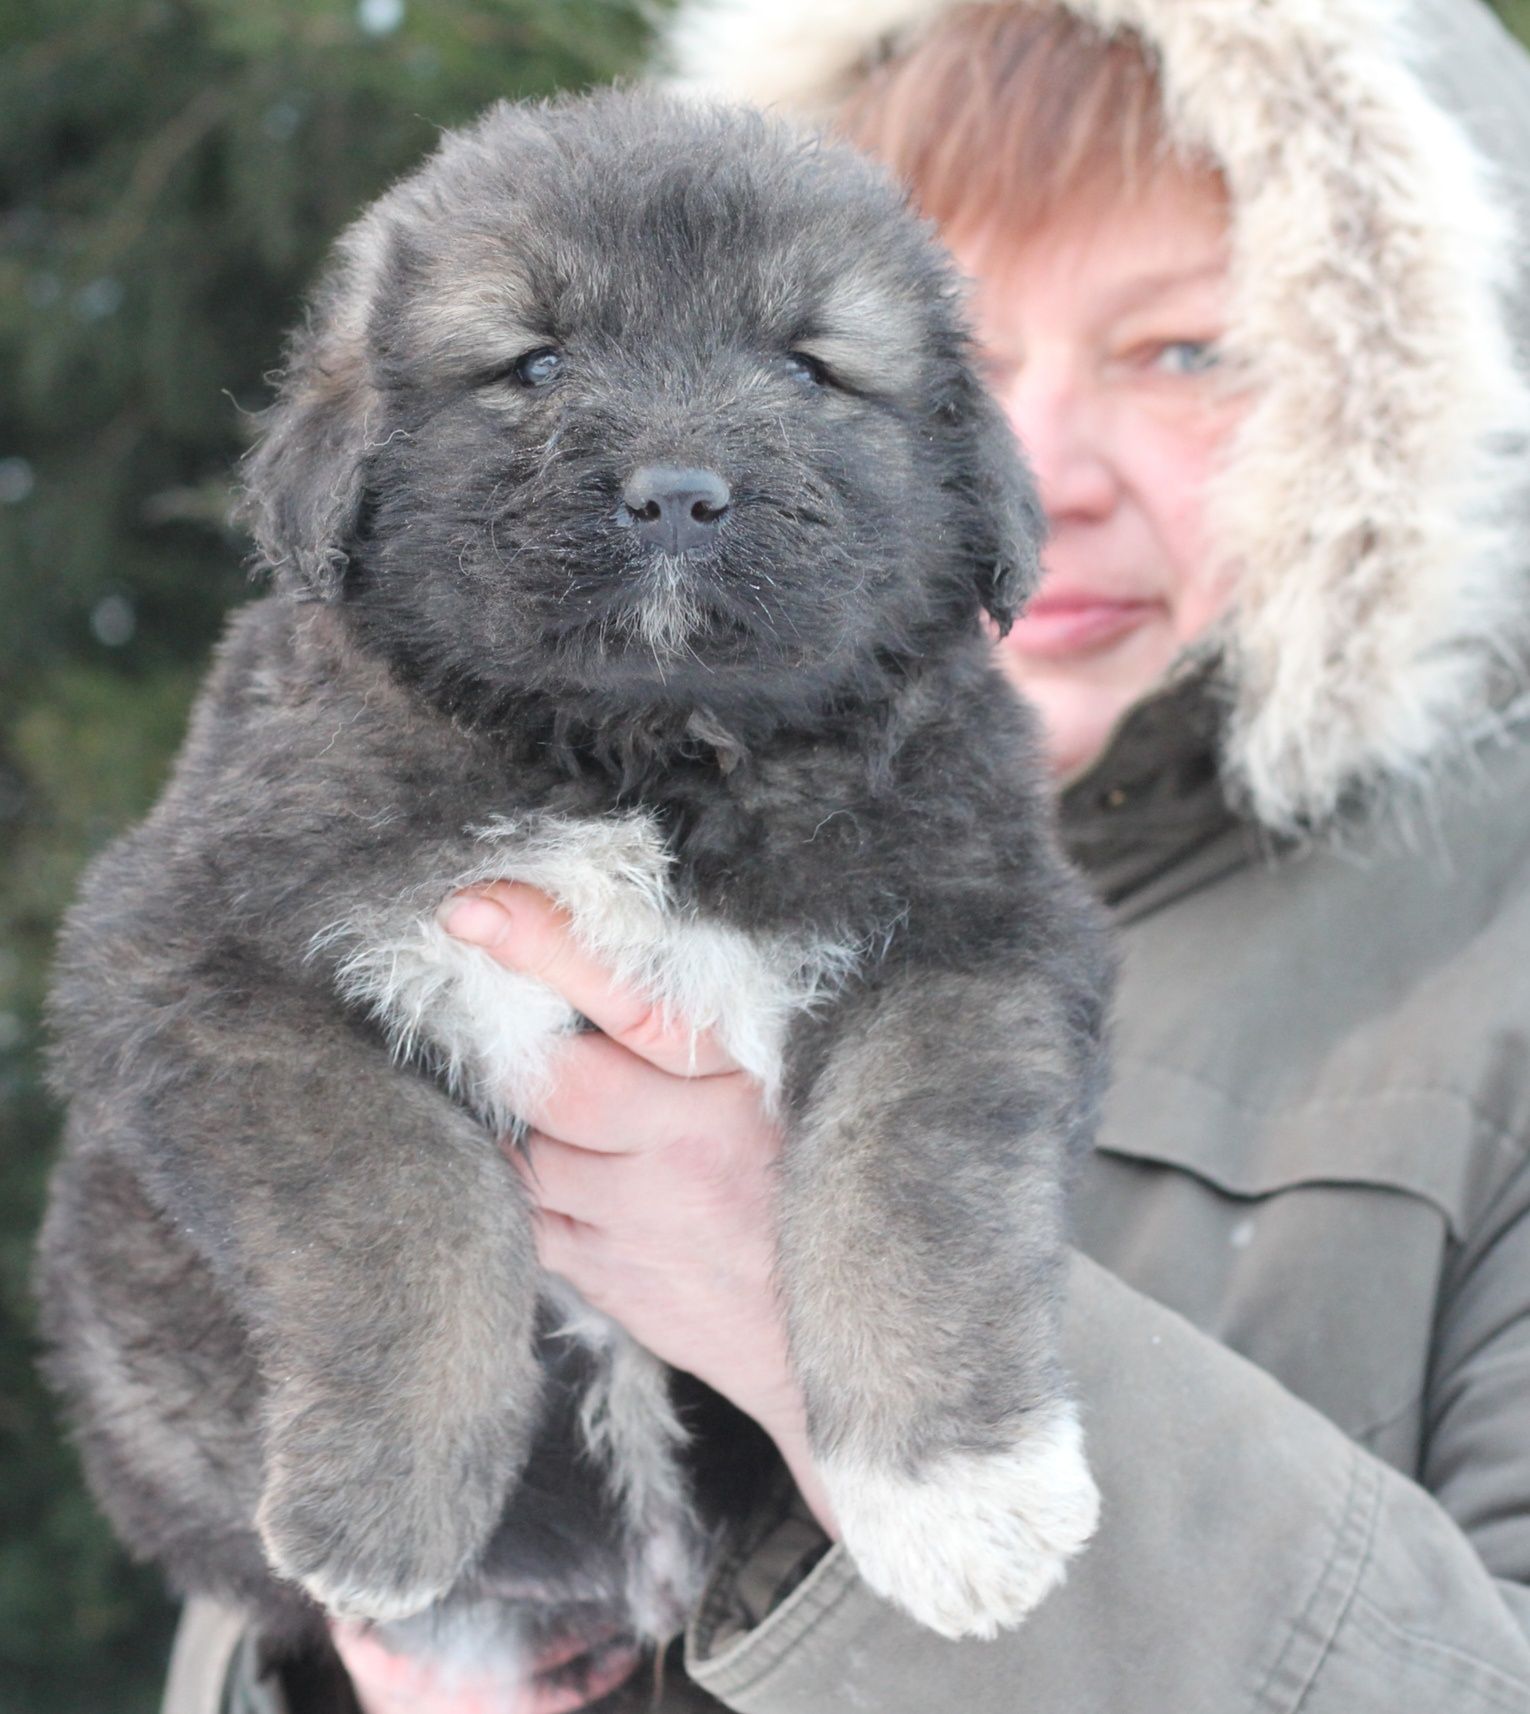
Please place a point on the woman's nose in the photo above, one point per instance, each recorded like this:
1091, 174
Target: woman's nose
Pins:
1063, 432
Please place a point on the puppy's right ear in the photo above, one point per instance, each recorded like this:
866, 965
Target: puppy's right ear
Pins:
304, 479
1003, 524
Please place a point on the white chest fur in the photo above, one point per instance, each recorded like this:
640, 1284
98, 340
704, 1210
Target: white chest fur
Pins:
492, 1030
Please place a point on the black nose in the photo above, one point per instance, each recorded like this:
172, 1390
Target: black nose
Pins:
675, 510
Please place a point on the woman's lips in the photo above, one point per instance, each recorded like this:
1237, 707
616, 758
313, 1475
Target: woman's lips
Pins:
1056, 626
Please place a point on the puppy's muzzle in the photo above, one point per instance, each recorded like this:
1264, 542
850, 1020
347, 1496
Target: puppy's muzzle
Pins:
675, 511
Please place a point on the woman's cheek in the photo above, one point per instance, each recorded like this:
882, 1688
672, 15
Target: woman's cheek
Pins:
1180, 458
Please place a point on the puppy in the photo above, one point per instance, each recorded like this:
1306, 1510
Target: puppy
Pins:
634, 514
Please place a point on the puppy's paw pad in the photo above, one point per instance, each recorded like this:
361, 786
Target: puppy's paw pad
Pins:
976, 1541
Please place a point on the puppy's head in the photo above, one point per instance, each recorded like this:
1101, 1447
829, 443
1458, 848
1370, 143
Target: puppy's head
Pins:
621, 397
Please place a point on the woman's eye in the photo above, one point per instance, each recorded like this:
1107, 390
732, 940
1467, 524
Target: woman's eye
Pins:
537, 368
802, 367
1187, 357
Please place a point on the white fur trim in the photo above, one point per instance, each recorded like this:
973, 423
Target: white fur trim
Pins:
793, 54
1365, 512
973, 1544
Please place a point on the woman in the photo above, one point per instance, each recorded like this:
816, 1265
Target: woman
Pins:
1245, 297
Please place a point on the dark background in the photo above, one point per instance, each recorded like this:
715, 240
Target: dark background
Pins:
170, 174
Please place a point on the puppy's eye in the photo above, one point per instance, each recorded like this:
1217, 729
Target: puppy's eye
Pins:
801, 366
531, 369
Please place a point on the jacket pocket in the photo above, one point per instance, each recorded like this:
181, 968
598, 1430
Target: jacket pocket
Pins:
1309, 1237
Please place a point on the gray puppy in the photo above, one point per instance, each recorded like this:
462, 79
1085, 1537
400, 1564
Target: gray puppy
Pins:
634, 513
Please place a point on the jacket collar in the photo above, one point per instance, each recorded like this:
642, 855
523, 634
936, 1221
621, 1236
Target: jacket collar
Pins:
1149, 818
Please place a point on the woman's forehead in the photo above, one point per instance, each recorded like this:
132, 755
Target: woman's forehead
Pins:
1171, 240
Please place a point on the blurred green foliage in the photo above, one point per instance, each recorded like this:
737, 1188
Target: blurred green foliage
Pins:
170, 174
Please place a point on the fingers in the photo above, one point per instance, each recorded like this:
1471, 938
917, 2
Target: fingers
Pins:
563, 1244
566, 1182
580, 1255
681, 1194
576, 1184
602, 1097
524, 930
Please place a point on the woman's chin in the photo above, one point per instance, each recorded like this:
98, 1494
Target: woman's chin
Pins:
1080, 701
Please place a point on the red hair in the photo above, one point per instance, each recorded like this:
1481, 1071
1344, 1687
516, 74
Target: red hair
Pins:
1009, 112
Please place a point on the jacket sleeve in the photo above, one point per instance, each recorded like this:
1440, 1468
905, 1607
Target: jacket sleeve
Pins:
1249, 1556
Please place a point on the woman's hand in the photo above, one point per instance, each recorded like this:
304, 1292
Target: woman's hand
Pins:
653, 1165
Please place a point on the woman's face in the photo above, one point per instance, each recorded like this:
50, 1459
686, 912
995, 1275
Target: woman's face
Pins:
1100, 337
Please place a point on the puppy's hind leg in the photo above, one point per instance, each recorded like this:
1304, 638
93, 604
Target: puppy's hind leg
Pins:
381, 1250
921, 1258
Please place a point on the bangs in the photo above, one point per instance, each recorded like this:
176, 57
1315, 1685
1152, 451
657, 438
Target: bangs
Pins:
1006, 113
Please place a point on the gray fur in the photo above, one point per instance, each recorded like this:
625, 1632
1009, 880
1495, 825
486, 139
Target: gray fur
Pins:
288, 1279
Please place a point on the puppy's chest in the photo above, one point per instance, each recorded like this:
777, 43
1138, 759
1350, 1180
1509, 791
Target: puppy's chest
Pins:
490, 1032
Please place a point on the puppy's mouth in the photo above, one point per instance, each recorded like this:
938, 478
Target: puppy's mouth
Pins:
656, 610
666, 613
760, 594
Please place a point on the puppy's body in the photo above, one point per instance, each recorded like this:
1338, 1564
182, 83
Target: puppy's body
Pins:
773, 776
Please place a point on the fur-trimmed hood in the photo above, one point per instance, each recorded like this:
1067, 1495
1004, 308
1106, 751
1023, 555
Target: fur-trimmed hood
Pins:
1376, 501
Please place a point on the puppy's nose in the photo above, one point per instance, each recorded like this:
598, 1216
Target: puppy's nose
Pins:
675, 510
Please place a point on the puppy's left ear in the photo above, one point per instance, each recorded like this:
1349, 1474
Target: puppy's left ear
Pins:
304, 479
999, 513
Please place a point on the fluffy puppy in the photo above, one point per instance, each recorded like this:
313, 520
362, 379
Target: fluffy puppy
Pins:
634, 514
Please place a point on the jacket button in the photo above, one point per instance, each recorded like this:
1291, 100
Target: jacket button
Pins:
1114, 798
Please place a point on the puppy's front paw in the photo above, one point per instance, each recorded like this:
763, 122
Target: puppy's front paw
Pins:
367, 1546
975, 1541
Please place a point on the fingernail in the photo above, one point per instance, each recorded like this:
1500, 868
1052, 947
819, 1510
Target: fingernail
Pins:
476, 921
